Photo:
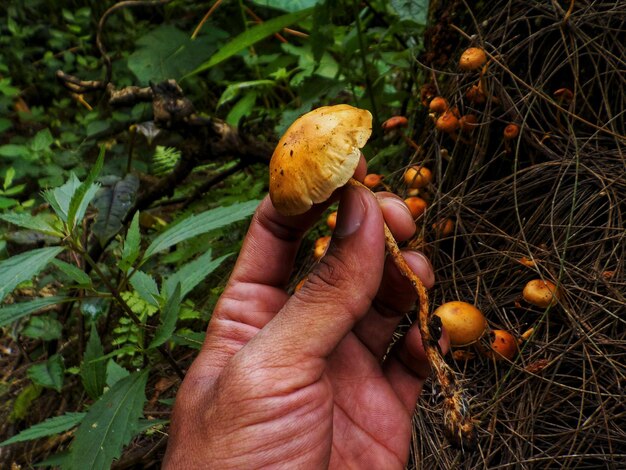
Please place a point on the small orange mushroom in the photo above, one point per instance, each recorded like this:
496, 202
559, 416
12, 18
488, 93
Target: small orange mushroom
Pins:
468, 123
444, 228
321, 245
472, 58
438, 104
511, 131
417, 206
475, 95
372, 180
418, 177
504, 345
394, 122
301, 283
331, 220
541, 293
464, 323
447, 122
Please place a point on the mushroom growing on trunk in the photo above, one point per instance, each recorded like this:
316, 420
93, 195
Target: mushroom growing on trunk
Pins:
318, 154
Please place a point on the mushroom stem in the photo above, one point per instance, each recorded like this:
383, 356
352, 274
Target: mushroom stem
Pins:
458, 424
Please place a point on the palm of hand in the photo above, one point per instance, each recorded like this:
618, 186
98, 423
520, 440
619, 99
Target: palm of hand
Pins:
300, 382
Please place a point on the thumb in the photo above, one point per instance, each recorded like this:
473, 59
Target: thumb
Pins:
338, 292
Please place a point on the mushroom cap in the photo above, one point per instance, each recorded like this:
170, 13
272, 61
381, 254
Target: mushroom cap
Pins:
542, 293
318, 154
472, 58
504, 344
464, 323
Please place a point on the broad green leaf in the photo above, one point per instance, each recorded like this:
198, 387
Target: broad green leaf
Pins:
41, 223
167, 52
169, 315
130, 252
60, 198
76, 274
415, 11
251, 37
43, 327
42, 140
14, 151
115, 373
201, 223
23, 267
193, 273
49, 374
113, 201
46, 428
84, 193
288, 5
93, 372
146, 287
13, 312
109, 425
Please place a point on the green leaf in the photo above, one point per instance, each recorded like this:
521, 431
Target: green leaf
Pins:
251, 37
241, 109
11, 313
41, 223
288, 5
47, 428
187, 337
146, 287
199, 224
191, 274
109, 424
60, 198
169, 316
113, 201
415, 11
43, 327
49, 374
76, 274
23, 267
167, 52
24, 400
93, 372
130, 252
42, 140
84, 193
14, 151
232, 91
115, 373
8, 178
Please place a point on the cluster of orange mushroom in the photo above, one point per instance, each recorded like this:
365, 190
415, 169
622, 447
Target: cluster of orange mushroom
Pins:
466, 325
448, 119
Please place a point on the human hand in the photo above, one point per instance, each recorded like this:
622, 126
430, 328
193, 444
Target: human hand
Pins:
304, 381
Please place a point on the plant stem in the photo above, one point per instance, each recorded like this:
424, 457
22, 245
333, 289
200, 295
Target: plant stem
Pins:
116, 295
458, 424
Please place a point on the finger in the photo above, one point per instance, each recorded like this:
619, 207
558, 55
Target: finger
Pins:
397, 215
396, 296
339, 290
406, 367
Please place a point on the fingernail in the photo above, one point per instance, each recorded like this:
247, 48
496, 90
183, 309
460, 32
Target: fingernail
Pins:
418, 261
351, 213
393, 201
